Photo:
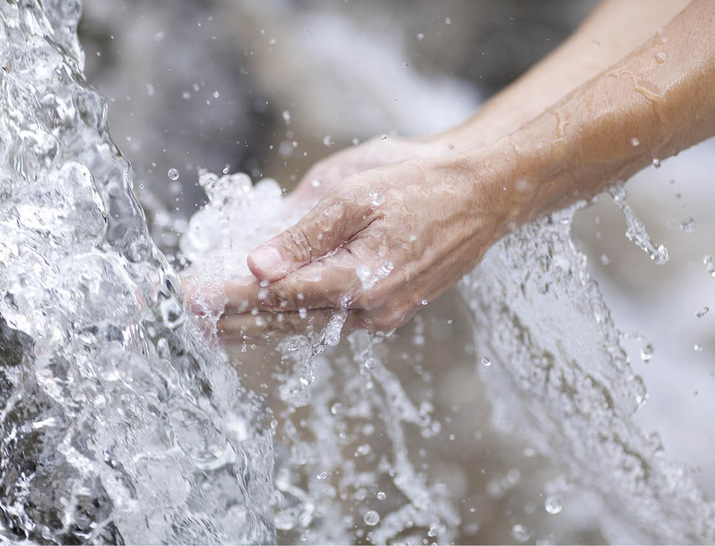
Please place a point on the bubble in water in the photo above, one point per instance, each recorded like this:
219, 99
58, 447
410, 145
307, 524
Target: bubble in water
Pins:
371, 518
381, 495
173, 174
486, 362
553, 504
328, 140
286, 116
702, 312
420, 37
520, 533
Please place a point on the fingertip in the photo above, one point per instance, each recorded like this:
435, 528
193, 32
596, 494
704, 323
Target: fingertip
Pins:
267, 264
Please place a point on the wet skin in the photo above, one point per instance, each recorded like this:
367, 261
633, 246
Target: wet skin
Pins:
431, 208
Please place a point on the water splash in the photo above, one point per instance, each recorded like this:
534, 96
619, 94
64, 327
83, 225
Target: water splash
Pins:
564, 378
635, 229
121, 423
117, 422
341, 414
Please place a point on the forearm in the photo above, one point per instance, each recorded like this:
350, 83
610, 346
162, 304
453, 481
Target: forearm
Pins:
613, 30
656, 102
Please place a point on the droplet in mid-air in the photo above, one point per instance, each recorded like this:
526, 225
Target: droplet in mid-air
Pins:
173, 174
553, 504
647, 352
688, 225
371, 518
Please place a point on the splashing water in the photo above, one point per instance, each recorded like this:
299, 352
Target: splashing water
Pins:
120, 422
334, 401
561, 374
117, 423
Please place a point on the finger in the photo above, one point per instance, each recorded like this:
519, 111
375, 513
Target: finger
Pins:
329, 283
332, 222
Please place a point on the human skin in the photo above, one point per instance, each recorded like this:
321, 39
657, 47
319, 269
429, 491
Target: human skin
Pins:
432, 216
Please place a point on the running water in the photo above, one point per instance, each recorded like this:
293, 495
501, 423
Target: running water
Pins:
121, 422
117, 422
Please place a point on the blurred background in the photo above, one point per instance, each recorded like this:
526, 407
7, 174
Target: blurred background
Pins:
270, 87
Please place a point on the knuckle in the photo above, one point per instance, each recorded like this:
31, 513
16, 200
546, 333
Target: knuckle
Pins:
386, 321
374, 298
280, 297
297, 242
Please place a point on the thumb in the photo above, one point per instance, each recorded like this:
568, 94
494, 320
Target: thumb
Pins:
330, 224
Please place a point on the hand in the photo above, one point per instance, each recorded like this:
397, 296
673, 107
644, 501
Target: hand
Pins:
381, 244
377, 152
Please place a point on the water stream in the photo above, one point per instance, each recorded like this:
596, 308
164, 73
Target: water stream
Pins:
123, 420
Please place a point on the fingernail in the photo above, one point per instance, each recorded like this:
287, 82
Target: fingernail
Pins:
269, 262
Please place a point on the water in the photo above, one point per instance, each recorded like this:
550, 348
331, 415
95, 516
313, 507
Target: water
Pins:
118, 423
122, 421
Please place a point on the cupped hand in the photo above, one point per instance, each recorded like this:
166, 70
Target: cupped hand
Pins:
377, 152
380, 245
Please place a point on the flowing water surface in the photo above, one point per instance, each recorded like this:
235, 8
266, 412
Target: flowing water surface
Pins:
122, 420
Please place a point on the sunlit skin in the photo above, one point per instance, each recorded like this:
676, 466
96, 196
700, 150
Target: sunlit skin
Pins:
596, 111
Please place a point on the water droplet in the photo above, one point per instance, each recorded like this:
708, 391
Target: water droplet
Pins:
660, 57
447, 21
709, 265
376, 199
520, 533
186, 95
605, 260
486, 362
424, 302
216, 94
635, 142
553, 504
303, 313
698, 348
420, 37
322, 475
702, 312
688, 225
173, 174
328, 140
381, 495
647, 352
656, 163
371, 518
286, 116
